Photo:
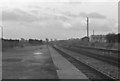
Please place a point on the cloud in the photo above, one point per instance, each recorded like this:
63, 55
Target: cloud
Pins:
105, 26
69, 14
93, 15
60, 16
66, 25
18, 15
74, 2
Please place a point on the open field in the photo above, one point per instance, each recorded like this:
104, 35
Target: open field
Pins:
25, 63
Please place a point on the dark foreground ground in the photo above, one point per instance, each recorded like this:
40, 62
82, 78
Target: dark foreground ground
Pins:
32, 62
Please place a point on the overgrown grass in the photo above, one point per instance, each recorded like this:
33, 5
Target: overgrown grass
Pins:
91, 44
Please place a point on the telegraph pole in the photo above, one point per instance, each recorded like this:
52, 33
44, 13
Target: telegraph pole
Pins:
87, 27
93, 32
1, 32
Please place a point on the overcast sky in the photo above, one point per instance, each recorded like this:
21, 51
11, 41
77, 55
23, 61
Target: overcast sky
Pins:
59, 19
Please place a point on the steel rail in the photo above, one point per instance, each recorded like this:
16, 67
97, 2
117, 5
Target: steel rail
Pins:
110, 78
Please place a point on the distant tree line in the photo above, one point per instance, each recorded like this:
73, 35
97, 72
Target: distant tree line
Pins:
35, 41
10, 40
9, 43
113, 38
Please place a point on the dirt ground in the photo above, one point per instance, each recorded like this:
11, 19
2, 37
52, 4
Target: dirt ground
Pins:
31, 62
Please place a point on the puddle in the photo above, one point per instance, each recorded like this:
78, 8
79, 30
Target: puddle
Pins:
12, 60
38, 53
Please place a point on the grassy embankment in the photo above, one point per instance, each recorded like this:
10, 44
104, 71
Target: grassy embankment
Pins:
90, 44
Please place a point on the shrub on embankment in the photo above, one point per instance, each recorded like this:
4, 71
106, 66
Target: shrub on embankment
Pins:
35, 42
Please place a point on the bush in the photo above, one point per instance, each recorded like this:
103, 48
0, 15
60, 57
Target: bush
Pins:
112, 38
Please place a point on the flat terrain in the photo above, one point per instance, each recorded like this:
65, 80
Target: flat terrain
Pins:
0, 60
32, 62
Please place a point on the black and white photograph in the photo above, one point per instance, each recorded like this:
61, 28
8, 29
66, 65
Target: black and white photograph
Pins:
59, 40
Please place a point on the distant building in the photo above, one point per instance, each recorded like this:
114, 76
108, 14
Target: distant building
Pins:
22, 40
86, 39
97, 38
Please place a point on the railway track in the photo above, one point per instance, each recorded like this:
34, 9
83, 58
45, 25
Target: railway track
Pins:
106, 59
92, 73
108, 53
99, 49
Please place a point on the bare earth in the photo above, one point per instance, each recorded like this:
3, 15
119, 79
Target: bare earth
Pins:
28, 63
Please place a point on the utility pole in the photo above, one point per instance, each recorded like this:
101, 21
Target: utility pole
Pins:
1, 32
87, 27
93, 32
